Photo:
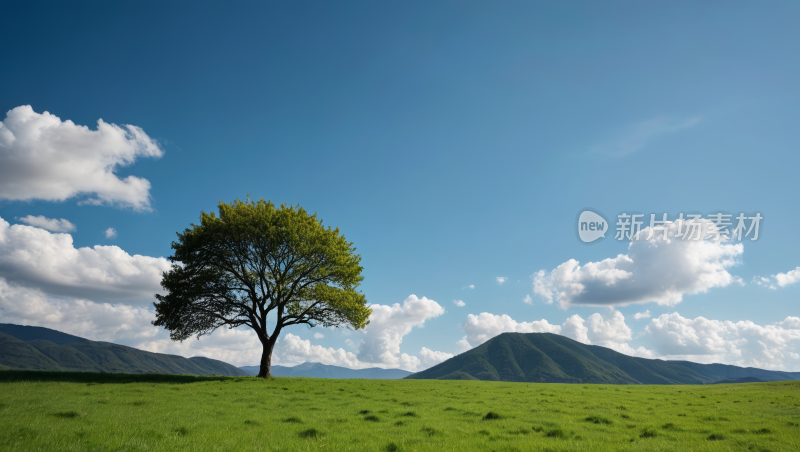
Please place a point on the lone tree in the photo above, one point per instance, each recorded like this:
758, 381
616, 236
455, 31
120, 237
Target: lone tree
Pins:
255, 262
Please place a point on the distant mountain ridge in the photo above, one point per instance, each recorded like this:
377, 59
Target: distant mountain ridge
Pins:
319, 370
550, 358
37, 348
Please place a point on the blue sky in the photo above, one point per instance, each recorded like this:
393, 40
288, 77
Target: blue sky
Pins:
453, 142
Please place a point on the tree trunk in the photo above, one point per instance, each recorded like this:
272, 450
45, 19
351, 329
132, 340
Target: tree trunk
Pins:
266, 359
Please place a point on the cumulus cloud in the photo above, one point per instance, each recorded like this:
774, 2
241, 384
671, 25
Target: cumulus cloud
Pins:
51, 224
459, 303
790, 322
608, 330
111, 233
293, 351
642, 315
575, 327
781, 279
790, 277
431, 358
654, 270
350, 343
527, 299
501, 280
380, 345
471, 286
741, 343
387, 327
480, 328
36, 258
43, 157
318, 335
463, 344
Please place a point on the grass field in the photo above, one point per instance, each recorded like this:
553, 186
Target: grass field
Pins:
102, 412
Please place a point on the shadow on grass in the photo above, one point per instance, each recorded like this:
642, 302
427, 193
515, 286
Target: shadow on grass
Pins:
91, 377
310, 433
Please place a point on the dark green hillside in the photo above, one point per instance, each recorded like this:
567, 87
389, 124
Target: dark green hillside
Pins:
68, 358
30, 333
46, 349
550, 358
17, 354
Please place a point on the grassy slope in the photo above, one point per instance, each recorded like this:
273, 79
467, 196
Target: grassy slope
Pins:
40, 411
544, 357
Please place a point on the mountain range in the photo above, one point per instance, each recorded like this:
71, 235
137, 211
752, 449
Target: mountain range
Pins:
318, 370
521, 357
550, 358
37, 348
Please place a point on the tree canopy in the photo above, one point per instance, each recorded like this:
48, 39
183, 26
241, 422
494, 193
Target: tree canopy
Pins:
256, 261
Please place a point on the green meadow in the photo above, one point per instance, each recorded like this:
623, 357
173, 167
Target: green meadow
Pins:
51, 411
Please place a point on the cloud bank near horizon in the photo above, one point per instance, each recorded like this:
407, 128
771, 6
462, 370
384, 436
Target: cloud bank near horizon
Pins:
35, 258
132, 326
668, 336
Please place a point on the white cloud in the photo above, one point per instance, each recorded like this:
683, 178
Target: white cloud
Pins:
654, 270
781, 279
350, 343
742, 343
501, 280
607, 330
480, 328
790, 322
459, 303
111, 233
575, 327
527, 299
790, 277
641, 134
471, 286
291, 350
318, 335
463, 344
642, 315
35, 258
431, 358
43, 157
387, 327
51, 224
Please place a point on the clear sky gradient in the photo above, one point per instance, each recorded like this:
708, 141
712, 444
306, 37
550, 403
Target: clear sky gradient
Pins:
453, 142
